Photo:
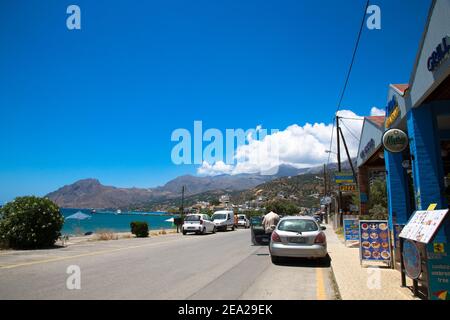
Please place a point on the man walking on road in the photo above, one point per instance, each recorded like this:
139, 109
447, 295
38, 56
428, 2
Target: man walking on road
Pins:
270, 221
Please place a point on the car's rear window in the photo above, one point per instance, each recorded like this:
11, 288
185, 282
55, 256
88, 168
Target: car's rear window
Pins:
220, 216
241, 218
256, 221
192, 218
298, 225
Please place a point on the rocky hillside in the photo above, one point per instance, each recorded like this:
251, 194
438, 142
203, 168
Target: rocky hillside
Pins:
90, 193
303, 190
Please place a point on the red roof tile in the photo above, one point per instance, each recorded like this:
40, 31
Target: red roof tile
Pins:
401, 88
377, 120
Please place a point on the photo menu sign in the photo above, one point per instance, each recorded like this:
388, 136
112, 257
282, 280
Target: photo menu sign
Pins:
375, 241
423, 225
351, 229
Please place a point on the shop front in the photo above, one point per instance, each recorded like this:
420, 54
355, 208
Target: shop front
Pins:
417, 143
370, 160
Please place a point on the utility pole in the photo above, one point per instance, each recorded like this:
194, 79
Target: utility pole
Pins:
325, 192
182, 201
348, 156
341, 218
178, 221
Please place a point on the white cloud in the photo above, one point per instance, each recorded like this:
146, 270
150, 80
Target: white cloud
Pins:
215, 169
298, 146
377, 112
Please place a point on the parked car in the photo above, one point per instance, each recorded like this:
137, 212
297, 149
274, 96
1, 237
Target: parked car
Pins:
298, 236
258, 234
223, 220
198, 223
242, 221
318, 218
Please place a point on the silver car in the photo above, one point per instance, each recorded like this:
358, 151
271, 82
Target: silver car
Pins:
299, 237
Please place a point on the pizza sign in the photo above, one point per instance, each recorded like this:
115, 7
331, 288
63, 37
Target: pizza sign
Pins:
347, 188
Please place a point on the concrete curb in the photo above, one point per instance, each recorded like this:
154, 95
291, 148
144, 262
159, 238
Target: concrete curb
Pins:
334, 283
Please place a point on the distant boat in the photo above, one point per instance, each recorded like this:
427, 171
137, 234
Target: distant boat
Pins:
93, 211
118, 211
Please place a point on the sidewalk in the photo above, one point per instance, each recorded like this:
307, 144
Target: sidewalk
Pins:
356, 282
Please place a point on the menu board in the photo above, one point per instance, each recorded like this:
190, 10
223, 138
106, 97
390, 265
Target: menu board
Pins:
374, 244
351, 230
423, 225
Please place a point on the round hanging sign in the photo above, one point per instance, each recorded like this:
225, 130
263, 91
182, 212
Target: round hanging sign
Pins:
411, 259
395, 140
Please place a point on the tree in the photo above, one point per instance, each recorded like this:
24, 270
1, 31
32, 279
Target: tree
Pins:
378, 200
282, 206
30, 222
215, 202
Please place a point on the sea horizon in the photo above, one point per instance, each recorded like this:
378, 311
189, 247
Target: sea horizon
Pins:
111, 221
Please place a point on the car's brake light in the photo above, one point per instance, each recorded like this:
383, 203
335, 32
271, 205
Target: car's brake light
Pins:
275, 237
321, 238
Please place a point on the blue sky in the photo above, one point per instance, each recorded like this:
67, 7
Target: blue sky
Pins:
103, 101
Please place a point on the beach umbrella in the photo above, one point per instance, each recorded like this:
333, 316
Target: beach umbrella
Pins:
79, 216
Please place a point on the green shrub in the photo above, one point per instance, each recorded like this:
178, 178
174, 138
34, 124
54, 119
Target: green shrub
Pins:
30, 223
282, 206
140, 229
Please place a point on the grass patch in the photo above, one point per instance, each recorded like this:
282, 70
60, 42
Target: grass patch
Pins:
106, 235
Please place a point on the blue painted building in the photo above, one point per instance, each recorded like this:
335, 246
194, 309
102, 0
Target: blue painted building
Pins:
422, 109
420, 175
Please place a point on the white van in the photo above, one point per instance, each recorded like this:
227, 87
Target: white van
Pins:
243, 221
223, 220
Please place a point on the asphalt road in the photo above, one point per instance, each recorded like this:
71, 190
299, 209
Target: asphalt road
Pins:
217, 266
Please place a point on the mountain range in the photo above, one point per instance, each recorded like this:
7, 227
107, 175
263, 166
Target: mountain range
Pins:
90, 193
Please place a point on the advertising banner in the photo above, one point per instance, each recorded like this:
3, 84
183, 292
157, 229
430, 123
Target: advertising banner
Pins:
438, 264
351, 229
348, 188
344, 177
375, 241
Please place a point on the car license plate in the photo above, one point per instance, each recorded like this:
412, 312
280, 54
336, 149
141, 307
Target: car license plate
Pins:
191, 228
297, 240
265, 240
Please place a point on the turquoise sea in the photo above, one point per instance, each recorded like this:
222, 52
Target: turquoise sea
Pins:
110, 221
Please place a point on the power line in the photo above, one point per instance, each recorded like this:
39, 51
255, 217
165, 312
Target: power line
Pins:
348, 75
349, 118
350, 131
